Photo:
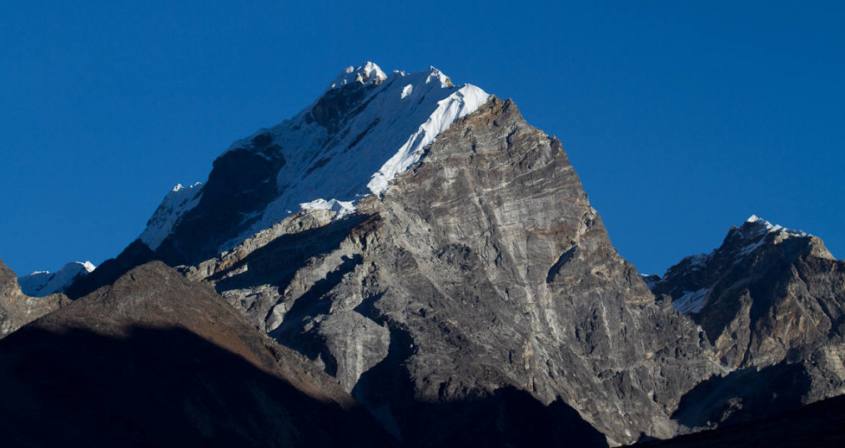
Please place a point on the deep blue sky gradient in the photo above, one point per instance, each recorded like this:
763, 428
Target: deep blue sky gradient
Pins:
682, 118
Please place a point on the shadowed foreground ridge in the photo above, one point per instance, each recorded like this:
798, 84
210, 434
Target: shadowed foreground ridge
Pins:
134, 365
155, 387
157, 360
817, 425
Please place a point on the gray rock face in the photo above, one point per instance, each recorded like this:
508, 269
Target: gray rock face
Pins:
16, 308
481, 269
772, 302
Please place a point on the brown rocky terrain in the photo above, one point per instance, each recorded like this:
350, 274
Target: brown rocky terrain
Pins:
154, 360
17, 309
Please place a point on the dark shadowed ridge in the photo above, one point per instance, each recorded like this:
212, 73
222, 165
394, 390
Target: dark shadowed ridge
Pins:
157, 387
157, 360
817, 425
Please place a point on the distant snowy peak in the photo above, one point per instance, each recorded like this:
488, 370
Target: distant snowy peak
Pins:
43, 283
175, 204
746, 239
746, 248
761, 225
757, 232
368, 73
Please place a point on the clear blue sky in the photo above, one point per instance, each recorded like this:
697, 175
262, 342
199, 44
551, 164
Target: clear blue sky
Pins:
682, 118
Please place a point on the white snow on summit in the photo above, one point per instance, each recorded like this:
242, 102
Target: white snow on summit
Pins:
773, 228
340, 208
382, 134
43, 283
402, 114
756, 230
369, 73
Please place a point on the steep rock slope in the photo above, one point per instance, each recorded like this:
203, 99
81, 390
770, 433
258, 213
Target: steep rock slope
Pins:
156, 360
483, 268
18, 309
772, 302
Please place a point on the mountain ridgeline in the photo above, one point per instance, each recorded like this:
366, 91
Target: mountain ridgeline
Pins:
412, 260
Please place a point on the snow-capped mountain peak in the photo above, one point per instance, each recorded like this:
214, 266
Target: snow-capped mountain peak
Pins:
367, 73
750, 244
350, 143
43, 283
757, 232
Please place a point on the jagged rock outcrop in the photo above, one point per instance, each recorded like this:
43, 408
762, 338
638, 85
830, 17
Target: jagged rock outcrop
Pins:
482, 268
772, 302
157, 360
16, 308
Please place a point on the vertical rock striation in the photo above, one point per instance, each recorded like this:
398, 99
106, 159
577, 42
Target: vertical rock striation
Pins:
483, 268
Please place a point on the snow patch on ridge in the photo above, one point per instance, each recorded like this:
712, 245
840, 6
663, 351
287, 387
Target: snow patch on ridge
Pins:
43, 283
178, 201
407, 91
340, 208
762, 224
459, 104
757, 230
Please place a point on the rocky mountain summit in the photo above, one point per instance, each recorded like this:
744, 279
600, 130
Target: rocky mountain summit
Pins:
772, 303
417, 255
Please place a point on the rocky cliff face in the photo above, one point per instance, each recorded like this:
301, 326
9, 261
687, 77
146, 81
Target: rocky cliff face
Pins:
772, 302
16, 308
482, 268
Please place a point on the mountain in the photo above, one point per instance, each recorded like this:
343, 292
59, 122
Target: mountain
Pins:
771, 301
403, 231
43, 283
18, 309
366, 128
429, 262
156, 360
